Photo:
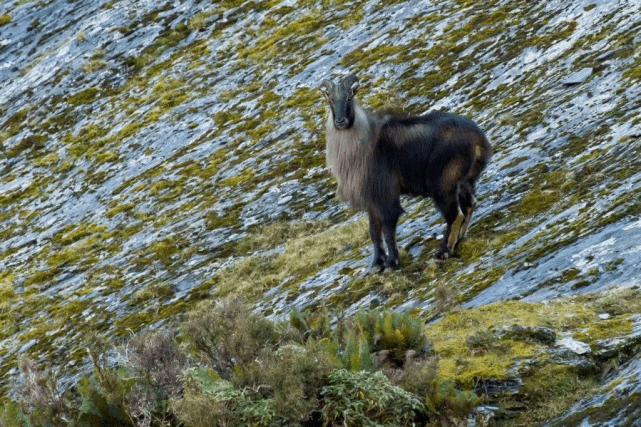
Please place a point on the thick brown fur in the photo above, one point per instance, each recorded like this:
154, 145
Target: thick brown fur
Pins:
378, 157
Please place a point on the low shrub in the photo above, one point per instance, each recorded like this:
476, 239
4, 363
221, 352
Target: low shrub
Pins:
228, 336
39, 397
291, 378
227, 366
367, 399
315, 325
446, 403
207, 400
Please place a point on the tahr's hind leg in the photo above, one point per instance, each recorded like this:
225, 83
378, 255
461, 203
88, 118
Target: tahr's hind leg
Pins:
452, 238
375, 230
467, 220
468, 204
454, 217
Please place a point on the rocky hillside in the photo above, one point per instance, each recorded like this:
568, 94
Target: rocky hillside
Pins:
155, 154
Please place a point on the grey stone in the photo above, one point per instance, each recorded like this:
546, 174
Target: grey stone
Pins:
577, 77
573, 345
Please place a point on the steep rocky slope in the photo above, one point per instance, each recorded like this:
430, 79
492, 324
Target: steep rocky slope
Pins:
155, 154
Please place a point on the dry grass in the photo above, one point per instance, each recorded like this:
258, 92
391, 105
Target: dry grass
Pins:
94, 65
279, 232
303, 255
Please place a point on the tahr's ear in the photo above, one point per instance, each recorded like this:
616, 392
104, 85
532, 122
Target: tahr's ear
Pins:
326, 87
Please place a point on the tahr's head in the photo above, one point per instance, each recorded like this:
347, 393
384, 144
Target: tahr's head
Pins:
341, 100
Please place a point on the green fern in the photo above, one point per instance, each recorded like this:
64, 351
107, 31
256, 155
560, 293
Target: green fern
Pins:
298, 321
315, 325
392, 331
357, 355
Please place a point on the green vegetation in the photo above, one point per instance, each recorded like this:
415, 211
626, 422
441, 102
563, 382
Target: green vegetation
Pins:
165, 215
94, 65
34, 143
226, 364
230, 366
84, 97
634, 72
258, 273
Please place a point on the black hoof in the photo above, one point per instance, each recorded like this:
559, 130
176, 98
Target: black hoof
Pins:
375, 269
443, 254
378, 266
392, 264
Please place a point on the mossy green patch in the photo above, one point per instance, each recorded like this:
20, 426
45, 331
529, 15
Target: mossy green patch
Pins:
79, 254
21, 195
13, 125
353, 17
127, 208
32, 143
563, 31
634, 72
152, 293
451, 335
617, 302
604, 329
72, 308
93, 65
549, 391
272, 235
243, 180
480, 280
75, 232
39, 277
134, 321
304, 32
166, 249
303, 98
84, 97
624, 408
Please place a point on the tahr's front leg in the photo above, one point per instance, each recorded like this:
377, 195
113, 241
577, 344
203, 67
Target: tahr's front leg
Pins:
375, 230
389, 230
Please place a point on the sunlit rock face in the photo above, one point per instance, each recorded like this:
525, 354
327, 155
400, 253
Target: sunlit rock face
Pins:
154, 154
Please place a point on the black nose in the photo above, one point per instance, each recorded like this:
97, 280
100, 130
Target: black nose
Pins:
341, 122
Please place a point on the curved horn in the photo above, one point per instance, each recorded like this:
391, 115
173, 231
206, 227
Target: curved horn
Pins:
326, 87
351, 82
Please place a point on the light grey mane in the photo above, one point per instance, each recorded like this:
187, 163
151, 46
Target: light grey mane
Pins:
349, 155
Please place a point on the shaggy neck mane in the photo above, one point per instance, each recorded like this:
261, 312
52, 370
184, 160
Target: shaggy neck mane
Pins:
349, 153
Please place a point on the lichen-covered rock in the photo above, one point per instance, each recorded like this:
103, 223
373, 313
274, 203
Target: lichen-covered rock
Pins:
617, 404
154, 154
527, 333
